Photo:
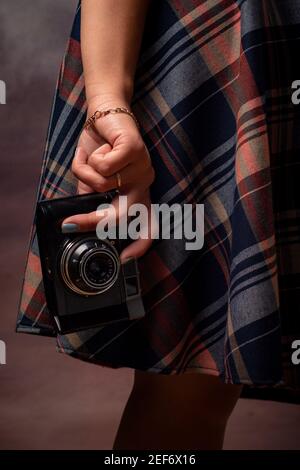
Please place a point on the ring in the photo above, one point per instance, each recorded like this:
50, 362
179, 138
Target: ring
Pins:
119, 180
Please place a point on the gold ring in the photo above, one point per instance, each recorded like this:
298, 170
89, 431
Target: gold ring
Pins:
119, 180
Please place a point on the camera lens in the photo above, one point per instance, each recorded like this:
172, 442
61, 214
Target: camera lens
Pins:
89, 266
98, 268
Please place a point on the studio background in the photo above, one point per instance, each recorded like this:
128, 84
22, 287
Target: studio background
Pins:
48, 400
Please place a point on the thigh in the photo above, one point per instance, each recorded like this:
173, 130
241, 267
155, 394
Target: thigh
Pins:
184, 411
198, 394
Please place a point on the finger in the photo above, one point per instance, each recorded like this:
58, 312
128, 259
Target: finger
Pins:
133, 175
123, 154
82, 155
147, 232
122, 203
90, 141
82, 222
87, 175
83, 188
136, 249
104, 148
104, 164
80, 158
93, 135
112, 213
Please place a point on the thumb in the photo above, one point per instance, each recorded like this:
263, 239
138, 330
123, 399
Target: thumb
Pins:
84, 222
87, 222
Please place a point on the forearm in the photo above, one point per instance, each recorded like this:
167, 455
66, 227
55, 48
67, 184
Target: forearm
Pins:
111, 34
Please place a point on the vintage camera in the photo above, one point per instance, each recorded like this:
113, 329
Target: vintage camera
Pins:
85, 283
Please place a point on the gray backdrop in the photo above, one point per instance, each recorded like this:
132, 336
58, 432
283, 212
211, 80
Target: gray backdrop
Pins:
48, 400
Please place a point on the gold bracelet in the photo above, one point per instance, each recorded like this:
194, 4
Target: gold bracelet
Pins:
100, 113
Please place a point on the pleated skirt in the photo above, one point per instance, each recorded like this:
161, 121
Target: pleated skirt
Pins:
214, 96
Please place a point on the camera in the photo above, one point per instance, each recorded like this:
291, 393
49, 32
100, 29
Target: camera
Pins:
85, 283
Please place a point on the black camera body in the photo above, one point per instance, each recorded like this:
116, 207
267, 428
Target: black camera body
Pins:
85, 283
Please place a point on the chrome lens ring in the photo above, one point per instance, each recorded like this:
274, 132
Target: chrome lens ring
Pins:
83, 268
67, 257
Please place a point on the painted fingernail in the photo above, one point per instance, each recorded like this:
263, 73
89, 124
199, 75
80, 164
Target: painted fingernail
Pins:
69, 228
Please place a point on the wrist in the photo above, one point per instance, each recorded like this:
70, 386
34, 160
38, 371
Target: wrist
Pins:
98, 97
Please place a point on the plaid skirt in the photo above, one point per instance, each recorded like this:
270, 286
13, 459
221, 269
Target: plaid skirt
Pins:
213, 94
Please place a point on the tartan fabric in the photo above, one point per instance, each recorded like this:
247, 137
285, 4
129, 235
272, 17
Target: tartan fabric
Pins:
213, 97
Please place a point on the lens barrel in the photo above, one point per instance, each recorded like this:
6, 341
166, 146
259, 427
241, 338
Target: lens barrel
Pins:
89, 266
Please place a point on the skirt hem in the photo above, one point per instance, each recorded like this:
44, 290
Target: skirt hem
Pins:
171, 371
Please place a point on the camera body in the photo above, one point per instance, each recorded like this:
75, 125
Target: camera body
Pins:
85, 283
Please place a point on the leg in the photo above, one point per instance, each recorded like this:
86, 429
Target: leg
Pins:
184, 411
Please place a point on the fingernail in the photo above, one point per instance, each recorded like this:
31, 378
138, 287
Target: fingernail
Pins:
101, 213
69, 228
99, 150
102, 147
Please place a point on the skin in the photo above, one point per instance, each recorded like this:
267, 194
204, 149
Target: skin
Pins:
117, 146
186, 411
177, 412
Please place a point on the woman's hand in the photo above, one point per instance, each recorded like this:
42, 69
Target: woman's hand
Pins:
110, 40
116, 147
